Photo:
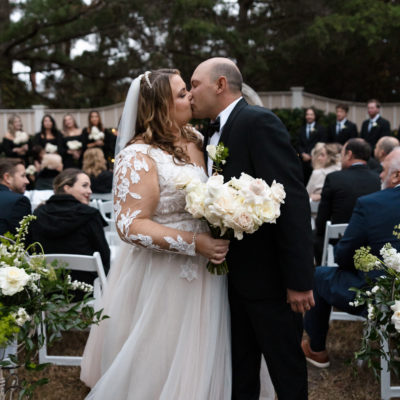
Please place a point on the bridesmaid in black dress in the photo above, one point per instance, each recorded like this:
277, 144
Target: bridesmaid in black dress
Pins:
15, 142
73, 143
49, 137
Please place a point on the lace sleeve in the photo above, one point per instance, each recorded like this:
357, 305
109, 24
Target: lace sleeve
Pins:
136, 195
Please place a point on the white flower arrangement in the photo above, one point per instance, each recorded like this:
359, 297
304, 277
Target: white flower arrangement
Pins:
96, 134
50, 148
21, 137
74, 145
30, 170
238, 206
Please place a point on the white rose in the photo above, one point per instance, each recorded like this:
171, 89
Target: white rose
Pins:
74, 144
183, 179
278, 191
12, 280
268, 211
242, 183
96, 134
396, 320
50, 148
214, 184
21, 316
396, 306
242, 222
21, 137
212, 151
30, 170
375, 289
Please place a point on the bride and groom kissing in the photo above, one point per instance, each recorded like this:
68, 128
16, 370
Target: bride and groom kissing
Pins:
175, 337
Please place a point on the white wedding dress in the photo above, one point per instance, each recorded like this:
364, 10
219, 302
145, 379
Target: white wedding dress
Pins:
168, 332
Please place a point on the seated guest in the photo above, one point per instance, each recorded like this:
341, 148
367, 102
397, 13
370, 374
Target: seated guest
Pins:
383, 147
371, 224
16, 141
342, 188
343, 129
324, 161
67, 224
13, 204
50, 167
94, 164
49, 137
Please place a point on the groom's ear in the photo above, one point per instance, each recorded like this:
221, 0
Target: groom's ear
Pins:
222, 84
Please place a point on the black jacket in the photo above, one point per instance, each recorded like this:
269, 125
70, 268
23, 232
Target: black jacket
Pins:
64, 225
45, 178
101, 183
306, 145
382, 128
340, 193
348, 131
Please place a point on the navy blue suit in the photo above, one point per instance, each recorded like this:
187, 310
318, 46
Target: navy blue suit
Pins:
372, 222
13, 207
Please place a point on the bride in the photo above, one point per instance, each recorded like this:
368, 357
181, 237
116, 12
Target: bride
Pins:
168, 332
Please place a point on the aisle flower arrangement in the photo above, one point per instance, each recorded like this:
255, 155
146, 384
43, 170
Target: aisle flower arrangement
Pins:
29, 288
382, 301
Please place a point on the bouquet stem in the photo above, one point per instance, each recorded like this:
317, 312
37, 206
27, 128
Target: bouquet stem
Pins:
219, 269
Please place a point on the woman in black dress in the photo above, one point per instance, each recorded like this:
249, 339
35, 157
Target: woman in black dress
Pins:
15, 142
49, 137
73, 143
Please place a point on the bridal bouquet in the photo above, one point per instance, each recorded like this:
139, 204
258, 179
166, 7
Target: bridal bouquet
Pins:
382, 299
74, 144
50, 148
29, 289
21, 138
232, 208
96, 134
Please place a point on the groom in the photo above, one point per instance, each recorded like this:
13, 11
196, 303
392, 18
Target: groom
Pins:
271, 271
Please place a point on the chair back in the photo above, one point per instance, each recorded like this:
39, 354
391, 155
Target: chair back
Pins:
106, 207
335, 231
102, 196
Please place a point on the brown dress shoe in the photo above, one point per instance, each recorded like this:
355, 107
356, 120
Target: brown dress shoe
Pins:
319, 359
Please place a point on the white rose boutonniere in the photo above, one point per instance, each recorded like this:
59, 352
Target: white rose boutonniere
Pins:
96, 134
218, 154
21, 137
50, 148
374, 124
74, 145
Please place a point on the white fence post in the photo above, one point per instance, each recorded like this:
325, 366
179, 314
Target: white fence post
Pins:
39, 112
297, 96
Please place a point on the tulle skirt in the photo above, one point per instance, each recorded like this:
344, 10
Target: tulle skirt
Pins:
168, 332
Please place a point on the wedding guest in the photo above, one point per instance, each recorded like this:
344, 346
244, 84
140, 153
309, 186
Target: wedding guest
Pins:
51, 166
375, 127
95, 135
308, 136
13, 204
16, 141
73, 143
67, 224
324, 161
343, 129
49, 137
383, 147
95, 166
342, 189
371, 224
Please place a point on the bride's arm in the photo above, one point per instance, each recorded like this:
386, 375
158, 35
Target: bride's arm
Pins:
136, 195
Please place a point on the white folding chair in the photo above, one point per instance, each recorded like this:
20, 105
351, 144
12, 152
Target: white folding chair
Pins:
335, 231
387, 391
106, 207
93, 203
75, 262
37, 197
102, 196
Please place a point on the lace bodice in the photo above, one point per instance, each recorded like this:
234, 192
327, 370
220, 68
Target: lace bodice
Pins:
149, 210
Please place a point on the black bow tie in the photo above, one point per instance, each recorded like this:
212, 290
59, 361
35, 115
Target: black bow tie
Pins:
214, 126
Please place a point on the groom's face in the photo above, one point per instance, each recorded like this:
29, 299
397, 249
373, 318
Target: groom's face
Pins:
203, 93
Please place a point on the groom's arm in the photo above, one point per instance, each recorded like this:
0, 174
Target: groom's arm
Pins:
274, 158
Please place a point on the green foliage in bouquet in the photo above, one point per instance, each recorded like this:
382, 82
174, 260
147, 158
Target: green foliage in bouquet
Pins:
382, 299
32, 290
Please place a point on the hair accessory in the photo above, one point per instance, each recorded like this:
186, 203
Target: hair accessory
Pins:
146, 77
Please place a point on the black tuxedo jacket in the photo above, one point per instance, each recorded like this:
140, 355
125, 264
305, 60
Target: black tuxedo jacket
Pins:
340, 193
306, 145
348, 131
381, 129
278, 256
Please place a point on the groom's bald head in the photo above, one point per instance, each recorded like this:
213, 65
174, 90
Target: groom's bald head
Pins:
216, 83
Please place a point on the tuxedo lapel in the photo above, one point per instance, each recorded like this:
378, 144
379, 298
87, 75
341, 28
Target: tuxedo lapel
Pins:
229, 123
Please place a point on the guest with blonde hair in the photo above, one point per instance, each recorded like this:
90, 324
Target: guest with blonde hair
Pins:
95, 166
74, 145
324, 161
16, 141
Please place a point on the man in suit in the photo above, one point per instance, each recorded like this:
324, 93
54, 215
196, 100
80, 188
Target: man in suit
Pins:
371, 224
270, 271
383, 147
375, 127
343, 129
308, 136
13, 204
342, 188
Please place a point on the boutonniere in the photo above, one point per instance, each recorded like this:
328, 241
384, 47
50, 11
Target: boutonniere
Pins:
218, 154
374, 124
312, 130
343, 127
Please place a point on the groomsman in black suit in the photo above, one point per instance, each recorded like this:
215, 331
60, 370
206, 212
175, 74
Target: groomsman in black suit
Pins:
343, 129
270, 271
375, 127
13, 204
308, 136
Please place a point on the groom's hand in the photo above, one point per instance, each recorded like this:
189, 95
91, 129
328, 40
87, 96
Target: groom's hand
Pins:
300, 301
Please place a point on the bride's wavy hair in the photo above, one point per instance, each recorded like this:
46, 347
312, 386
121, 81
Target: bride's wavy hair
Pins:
154, 124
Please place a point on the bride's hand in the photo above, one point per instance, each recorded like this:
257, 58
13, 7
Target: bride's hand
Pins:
213, 249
